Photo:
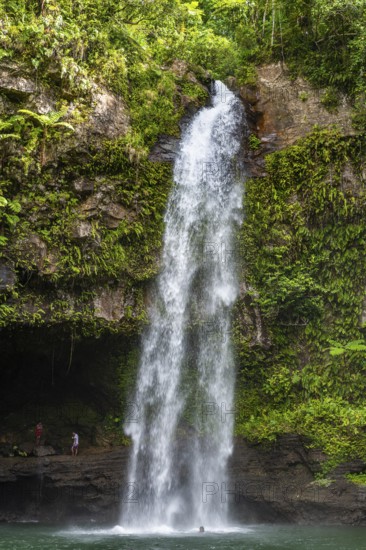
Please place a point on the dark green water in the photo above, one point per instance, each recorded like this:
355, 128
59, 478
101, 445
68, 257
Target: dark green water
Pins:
27, 537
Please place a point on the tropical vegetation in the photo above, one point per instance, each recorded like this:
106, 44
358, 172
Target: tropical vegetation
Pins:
303, 242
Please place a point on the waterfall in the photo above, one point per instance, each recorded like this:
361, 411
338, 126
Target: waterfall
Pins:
182, 433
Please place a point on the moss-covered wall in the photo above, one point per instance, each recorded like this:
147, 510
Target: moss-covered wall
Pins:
81, 221
303, 250
81, 204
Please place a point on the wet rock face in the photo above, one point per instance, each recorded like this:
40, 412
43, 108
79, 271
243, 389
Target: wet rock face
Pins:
275, 483
105, 117
44, 450
63, 488
101, 204
114, 213
110, 304
7, 276
108, 117
266, 484
107, 120
21, 88
165, 150
83, 186
35, 250
82, 230
14, 85
292, 109
286, 110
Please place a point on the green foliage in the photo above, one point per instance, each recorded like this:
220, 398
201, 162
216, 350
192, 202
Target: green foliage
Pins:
105, 40
13, 123
47, 123
303, 96
9, 210
113, 431
153, 105
359, 479
127, 252
303, 239
108, 39
331, 424
321, 40
342, 349
4, 126
330, 99
304, 266
216, 53
68, 48
254, 142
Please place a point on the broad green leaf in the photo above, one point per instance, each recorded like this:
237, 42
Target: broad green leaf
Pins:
337, 351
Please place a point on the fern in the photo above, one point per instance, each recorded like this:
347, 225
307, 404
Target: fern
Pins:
47, 122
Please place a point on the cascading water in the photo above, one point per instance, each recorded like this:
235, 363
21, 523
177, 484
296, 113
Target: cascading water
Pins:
182, 433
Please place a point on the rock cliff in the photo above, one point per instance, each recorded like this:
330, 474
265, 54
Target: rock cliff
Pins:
266, 484
63, 301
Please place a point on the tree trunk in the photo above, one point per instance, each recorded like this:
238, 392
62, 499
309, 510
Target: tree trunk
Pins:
42, 155
264, 17
41, 8
273, 22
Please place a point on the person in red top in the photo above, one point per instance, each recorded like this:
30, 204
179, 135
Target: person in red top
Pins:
38, 433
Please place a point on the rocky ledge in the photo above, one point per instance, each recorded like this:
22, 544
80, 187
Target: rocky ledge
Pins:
281, 110
276, 483
88, 487
267, 484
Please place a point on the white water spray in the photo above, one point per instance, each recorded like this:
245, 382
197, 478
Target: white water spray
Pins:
182, 434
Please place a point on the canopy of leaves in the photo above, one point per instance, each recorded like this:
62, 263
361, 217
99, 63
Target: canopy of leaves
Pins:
322, 39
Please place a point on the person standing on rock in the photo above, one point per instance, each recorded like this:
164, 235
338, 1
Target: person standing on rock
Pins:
38, 433
75, 444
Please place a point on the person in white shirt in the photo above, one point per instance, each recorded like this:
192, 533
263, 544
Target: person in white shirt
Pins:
75, 444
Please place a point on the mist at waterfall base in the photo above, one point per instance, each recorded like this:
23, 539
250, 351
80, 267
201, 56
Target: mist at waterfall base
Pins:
181, 440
